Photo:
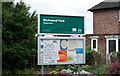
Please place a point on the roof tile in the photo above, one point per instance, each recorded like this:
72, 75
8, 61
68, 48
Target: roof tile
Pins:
105, 5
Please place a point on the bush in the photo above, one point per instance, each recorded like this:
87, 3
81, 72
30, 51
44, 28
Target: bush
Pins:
114, 57
97, 58
101, 69
118, 56
114, 68
89, 57
85, 67
26, 71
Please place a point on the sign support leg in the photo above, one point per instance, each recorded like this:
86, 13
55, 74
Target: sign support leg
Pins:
42, 67
78, 69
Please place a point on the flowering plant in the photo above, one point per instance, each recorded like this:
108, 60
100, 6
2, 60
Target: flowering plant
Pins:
68, 72
57, 72
114, 68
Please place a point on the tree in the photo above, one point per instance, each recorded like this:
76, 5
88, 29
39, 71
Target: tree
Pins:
18, 36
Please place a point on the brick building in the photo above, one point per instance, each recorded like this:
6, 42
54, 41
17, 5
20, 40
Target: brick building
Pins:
106, 28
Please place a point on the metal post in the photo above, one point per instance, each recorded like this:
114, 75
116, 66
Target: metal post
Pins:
42, 66
78, 69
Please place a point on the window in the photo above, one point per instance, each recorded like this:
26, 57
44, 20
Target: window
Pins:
119, 16
94, 44
113, 45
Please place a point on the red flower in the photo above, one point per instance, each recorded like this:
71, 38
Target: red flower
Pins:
114, 68
47, 73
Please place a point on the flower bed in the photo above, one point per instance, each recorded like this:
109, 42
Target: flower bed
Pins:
68, 72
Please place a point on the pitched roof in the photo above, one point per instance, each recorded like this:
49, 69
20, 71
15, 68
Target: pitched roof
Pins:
105, 5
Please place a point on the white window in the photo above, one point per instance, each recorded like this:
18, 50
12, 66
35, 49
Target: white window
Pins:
113, 45
94, 44
119, 16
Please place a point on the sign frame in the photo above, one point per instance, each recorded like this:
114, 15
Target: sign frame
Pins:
61, 63
41, 33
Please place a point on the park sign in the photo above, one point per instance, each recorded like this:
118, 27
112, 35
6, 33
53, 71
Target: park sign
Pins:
58, 24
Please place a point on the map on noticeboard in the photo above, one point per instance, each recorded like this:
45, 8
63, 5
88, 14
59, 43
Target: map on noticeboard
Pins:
58, 24
59, 51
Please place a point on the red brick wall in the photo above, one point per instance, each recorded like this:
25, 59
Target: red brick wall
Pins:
102, 43
106, 21
102, 47
88, 40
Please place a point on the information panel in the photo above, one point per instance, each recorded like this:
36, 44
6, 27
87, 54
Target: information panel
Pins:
57, 24
61, 51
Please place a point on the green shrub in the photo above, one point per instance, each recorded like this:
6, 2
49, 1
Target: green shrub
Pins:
89, 57
118, 56
114, 57
26, 71
97, 58
101, 69
85, 67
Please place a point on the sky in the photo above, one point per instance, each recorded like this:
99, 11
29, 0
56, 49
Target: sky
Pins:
65, 7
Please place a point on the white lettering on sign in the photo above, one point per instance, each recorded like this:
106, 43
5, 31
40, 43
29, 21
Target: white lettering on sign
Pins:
51, 20
74, 29
79, 30
47, 23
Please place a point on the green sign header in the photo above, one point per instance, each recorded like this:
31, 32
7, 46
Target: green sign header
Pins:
57, 24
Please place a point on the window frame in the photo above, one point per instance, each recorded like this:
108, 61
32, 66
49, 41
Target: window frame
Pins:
96, 49
118, 15
107, 46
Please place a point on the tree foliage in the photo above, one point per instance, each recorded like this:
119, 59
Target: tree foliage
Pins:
18, 36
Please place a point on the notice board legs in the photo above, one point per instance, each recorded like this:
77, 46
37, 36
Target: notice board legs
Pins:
78, 69
42, 67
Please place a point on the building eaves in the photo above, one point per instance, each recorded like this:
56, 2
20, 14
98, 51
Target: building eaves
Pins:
105, 5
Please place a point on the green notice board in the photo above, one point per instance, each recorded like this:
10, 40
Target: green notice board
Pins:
57, 24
